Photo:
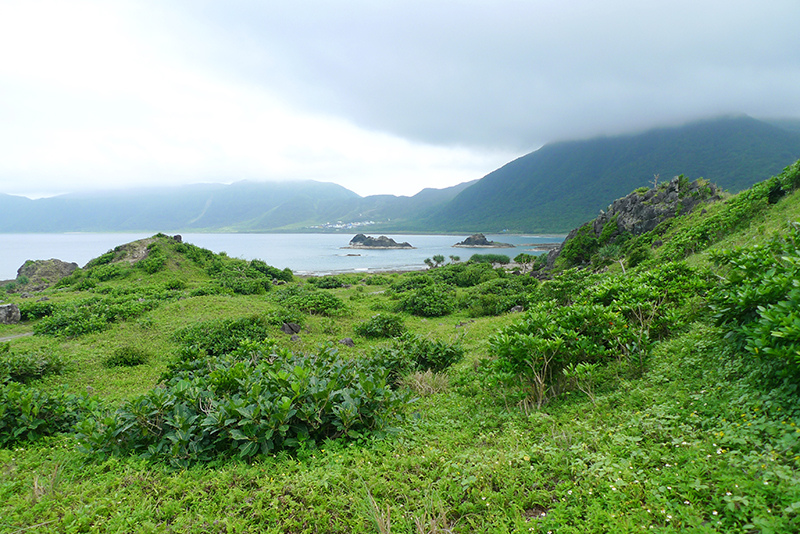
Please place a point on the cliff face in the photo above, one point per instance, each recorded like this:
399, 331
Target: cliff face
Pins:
643, 210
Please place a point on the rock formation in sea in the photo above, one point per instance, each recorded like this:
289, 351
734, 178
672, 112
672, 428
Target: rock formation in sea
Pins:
480, 241
365, 241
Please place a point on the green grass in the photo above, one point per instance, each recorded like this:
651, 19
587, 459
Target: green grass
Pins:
707, 439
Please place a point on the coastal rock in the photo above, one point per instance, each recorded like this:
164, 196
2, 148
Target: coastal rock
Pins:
41, 274
365, 241
480, 241
644, 209
348, 341
9, 314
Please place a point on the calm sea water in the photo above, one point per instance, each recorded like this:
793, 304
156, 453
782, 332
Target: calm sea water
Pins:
303, 253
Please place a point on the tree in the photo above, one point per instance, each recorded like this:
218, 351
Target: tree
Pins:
525, 260
438, 259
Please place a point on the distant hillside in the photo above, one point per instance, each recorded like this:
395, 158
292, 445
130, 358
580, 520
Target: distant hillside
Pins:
561, 185
551, 190
239, 207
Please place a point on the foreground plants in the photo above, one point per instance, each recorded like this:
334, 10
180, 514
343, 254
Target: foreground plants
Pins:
249, 403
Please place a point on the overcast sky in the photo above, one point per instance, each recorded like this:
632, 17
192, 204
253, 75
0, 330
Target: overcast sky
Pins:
379, 96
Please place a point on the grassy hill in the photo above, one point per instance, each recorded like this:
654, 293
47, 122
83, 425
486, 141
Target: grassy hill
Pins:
160, 391
562, 185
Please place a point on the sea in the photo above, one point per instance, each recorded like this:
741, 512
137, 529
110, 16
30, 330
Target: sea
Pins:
304, 254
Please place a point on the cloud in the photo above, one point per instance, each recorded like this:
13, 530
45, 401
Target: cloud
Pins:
380, 97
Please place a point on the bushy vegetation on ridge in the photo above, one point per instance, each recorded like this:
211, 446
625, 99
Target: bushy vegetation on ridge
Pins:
657, 391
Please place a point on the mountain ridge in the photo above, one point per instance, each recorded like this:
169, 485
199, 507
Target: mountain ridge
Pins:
550, 190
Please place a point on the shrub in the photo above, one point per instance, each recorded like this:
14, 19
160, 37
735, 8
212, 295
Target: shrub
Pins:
410, 353
326, 282
311, 301
127, 356
550, 338
36, 310
502, 259
247, 404
27, 366
580, 248
381, 325
410, 282
222, 336
155, 261
433, 300
27, 413
430, 354
759, 302
496, 296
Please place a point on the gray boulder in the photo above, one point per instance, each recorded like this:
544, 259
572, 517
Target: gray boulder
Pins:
291, 328
9, 314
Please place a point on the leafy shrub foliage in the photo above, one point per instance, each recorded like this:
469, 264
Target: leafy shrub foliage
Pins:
410, 353
155, 261
28, 413
249, 403
549, 338
326, 282
36, 310
221, 336
759, 302
95, 314
497, 296
434, 300
731, 216
239, 276
381, 325
502, 259
127, 356
27, 366
310, 300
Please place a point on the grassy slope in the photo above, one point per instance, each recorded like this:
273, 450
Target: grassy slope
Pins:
690, 445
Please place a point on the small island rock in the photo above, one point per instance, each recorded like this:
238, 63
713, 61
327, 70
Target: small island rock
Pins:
364, 241
480, 241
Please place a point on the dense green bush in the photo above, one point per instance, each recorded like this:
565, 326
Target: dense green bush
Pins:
433, 300
550, 338
654, 300
240, 276
409, 353
27, 366
381, 325
563, 288
36, 310
110, 271
95, 314
759, 302
326, 282
579, 249
221, 336
28, 413
497, 296
155, 261
310, 300
127, 356
502, 259
247, 404
410, 282
426, 354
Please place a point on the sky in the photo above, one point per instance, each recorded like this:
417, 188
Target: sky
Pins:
379, 96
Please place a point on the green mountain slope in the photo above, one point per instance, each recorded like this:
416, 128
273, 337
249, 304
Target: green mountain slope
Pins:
561, 185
